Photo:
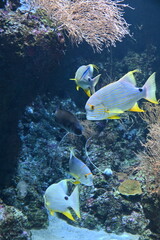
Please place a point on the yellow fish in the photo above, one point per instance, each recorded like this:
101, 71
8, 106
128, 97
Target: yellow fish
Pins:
57, 200
120, 96
83, 78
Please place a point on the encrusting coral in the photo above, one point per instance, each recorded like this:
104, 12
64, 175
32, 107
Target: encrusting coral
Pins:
130, 187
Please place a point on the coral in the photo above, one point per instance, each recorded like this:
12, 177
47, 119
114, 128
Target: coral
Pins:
99, 23
151, 206
130, 187
43, 158
150, 158
13, 224
135, 222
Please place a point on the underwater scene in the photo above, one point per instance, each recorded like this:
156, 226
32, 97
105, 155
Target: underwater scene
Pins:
80, 120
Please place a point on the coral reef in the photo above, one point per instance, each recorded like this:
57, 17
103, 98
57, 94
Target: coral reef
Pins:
31, 47
83, 20
13, 223
30, 51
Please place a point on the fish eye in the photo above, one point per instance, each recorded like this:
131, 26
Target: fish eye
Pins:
91, 106
140, 89
66, 198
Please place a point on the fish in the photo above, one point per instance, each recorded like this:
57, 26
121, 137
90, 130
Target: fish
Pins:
115, 98
68, 121
83, 78
79, 170
57, 200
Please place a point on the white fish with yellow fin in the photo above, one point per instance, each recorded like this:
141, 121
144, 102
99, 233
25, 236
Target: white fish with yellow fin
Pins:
57, 200
120, 96
83, 78
79, 170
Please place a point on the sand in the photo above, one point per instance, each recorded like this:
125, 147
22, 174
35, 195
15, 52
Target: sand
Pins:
60, 230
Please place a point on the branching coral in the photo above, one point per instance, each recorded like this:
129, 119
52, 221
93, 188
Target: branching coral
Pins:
150, 159
100, 23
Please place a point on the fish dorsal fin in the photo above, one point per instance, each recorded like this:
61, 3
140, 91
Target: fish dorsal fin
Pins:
94, 66
136, 108
63, 185
129, 77
68, 214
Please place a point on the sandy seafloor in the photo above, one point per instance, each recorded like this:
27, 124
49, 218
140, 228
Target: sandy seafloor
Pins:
60, 230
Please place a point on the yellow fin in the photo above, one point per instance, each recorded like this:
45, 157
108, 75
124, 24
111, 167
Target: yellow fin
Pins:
47, 203
76, 182
135, 71
73, 79
88, 92
136, 108
52, 212
114, 111
129, 77
114, 117
77, 87
94, 66
68, 214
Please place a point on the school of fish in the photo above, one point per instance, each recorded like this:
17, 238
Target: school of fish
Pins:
107, 103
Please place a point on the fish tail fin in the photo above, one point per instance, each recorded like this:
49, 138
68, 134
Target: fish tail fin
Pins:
150, 88
74, 198
96, 79
94, 83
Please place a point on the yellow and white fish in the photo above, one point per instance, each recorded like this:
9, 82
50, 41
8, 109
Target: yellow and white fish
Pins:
57, 200
120, 96
84, 80
79, 170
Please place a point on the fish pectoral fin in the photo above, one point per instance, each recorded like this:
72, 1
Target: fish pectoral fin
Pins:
68, 214
52, 212
76, 182
77, 87
47, 203
114, 117
88, 92
114, 111
73, 79
136, 108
